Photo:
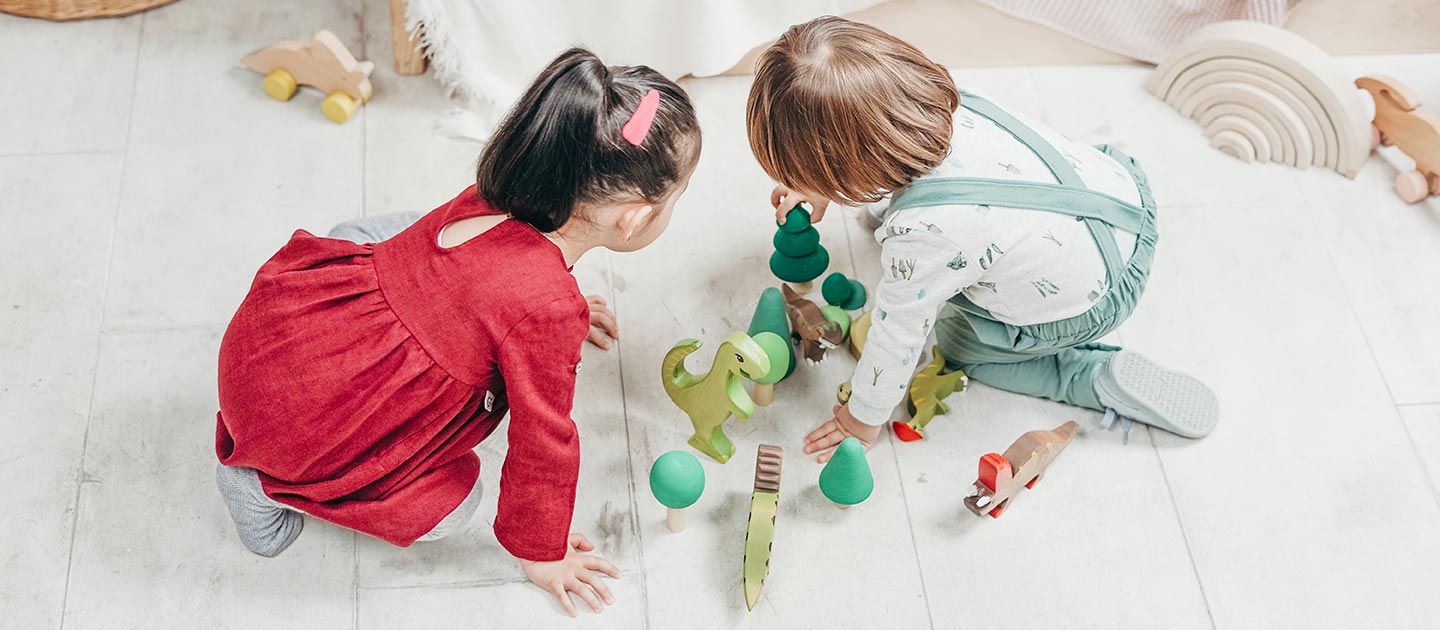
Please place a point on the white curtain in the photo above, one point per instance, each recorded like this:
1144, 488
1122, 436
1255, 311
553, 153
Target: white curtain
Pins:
486, 51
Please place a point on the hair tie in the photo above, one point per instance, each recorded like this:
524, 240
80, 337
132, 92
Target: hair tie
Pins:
639, 124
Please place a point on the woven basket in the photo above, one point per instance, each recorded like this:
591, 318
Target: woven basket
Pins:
77, 9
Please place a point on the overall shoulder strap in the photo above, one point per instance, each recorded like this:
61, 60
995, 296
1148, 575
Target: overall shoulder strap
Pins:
1058, 165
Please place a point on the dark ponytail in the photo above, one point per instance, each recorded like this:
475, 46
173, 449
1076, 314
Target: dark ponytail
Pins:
561, 146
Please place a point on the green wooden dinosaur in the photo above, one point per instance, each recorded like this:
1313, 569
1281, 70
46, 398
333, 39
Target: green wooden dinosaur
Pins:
927, 397
711, 397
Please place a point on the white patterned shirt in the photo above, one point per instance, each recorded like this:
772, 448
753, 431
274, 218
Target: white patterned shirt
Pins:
1024, 266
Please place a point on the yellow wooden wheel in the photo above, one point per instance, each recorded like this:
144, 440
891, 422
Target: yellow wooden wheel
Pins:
280, 84
338, 106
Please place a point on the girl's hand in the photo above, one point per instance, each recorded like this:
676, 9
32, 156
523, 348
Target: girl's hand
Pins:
575, 574
835, 430
602, 323
785, 199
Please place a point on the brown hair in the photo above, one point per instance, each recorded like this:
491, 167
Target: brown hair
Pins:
846, 110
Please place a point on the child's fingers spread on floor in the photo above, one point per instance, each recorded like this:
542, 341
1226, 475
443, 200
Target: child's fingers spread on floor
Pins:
597, 583
586, 593
818, 433
558, 591
579, 541
826, 442
603, 319
598, 338
596, 563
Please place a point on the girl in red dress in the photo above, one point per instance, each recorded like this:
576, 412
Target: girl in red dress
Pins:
357, 377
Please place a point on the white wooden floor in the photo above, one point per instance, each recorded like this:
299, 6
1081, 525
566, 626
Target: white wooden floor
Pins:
144, 177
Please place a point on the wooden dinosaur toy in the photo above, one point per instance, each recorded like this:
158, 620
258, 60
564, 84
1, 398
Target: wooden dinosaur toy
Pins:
322, 62
1000, 481
926, 397
816, 333
711, 397
760, 529
1399, 122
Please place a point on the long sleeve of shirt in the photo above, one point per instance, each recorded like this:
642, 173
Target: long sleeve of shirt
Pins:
920, 271
539, 360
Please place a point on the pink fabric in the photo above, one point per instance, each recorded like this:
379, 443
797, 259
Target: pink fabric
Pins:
1140, 29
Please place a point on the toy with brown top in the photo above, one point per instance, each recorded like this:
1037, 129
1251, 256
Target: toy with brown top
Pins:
1399, 122
817, 333
1000, 480
760, 530
323, 63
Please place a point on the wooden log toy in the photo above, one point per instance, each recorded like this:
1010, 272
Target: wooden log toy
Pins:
1000, 480
817, 334
799, 258
926, 397
843, 292
711, 397
770, 327
1399, 122
677, 480
1263, 93
323, 63
859, 332
846, 478
760, 529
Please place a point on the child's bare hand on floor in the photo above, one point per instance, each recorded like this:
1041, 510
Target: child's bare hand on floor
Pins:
835, 430
785, 199
577, 573
602, 323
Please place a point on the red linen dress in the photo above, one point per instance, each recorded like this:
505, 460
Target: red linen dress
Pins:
357, 379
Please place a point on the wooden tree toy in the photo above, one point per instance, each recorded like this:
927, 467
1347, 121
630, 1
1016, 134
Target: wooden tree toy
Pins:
1000, 481
846, 478
760, 530
926, 397
843, 292
677, 480
711, 397
324, 63
770, 328
837, 316
798, 257
817, 335
1399, 122
859, 332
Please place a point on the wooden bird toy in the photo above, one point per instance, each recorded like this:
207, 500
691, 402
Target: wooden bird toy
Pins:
817, 334
1399, 122
1000, 481
711, 397
323, 63
770, 327
926, 397
677, 480
760, 531
846, 478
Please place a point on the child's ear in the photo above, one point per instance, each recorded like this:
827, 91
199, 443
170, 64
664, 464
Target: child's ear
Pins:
633, 218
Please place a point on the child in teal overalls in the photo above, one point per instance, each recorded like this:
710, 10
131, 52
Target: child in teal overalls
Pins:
1019, 248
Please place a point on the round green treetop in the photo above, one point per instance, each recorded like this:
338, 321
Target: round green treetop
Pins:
843, 292
797, 220
778, 349
846, 479
677, 479
839, 317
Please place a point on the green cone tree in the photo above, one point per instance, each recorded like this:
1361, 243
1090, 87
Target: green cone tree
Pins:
798, 256
846, 479
770, 327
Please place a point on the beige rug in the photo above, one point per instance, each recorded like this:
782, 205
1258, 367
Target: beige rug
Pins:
967, 33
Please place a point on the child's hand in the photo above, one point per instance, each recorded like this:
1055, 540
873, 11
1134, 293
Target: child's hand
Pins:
785, 199
576, 574
835, 430
602, 323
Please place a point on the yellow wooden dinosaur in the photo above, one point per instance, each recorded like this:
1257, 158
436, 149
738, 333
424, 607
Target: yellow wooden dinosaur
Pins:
927, 397
711, 397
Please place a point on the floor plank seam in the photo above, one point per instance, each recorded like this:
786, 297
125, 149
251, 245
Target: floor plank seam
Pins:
910, 524
48, 154
462, 584
629, 453
80, 475
1180, 522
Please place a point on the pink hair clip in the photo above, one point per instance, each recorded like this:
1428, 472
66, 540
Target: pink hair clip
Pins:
639, 124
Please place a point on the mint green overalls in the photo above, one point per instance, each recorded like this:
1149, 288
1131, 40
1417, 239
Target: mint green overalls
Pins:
1055, 360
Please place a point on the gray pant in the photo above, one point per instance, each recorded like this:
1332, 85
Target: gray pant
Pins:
374, 229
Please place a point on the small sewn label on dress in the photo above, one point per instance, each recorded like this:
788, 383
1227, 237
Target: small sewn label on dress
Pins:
489, 401
577, 366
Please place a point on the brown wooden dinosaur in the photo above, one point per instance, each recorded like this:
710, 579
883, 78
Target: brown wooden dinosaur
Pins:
1399, 122
1000, 481
817, 335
